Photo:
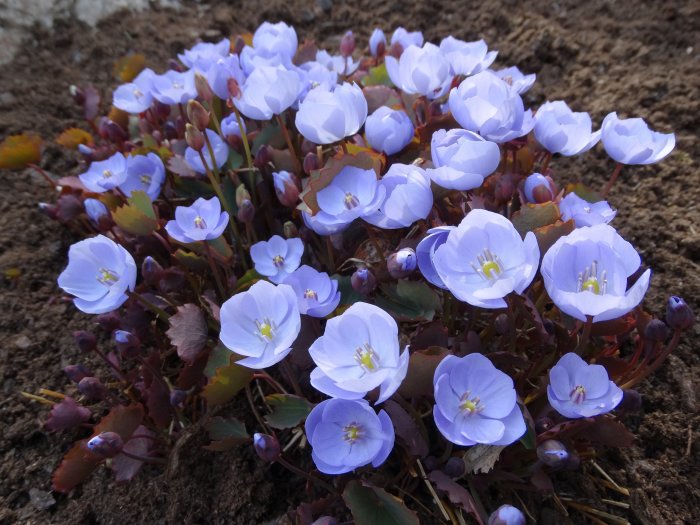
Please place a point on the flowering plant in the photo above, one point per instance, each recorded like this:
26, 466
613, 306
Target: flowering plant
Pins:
369, 255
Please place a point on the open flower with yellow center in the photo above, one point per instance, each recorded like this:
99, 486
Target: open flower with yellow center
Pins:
277, 258
261, 324
104, 175
358, 352
202, 221
585, 274
345, 435
317, 294
484, 259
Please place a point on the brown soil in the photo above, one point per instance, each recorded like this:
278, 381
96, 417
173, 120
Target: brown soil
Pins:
633, 57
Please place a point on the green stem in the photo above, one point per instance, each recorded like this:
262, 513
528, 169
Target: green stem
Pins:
244, 138
290, 145
215, 271
296, 470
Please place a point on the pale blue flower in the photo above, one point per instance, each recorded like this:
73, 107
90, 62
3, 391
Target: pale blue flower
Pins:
630, 141
577, 389
408, 197
562, 131
325, 116
261, 324
99, 274
277, 257
276, 39
406, 38
507, 515
467, 58
585, 274
425, 253
354, 192
461, 159
585, 213
475, 403
218, 72
420, 71
388, 130
95, 210
317, 294
484, 259
203, 221
229, 126
135, 96
323, 223
487, 105
345, 435
174, 87
104, 175
315, 74
268, 91
539, 189
218, 146
205, 52
341, 65
144, 173
513, 76
358, 352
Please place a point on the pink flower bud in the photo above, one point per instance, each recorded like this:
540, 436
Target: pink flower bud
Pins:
194, 138
363, 281
347, 44
198, 116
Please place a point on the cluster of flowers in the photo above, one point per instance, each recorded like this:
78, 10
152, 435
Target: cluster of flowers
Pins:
462, 121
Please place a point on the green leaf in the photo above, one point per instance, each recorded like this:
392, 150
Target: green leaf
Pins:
371, 505
348, 295
532, 216
137, 215
378, 76
584, 192
287, 410
247, 280
409, 300
225, 433
226, 382
220, 356
191, 260
548, 235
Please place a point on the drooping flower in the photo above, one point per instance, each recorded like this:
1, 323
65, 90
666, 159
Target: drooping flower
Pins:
173, 87
219, 72
487, 105
358, 352
484, 259
461, 159
95, 210
144, 173
342, 65
408, 197
377, 42
475, 402
276, 39
425, 252
585, 213
99, 274
563, 131
345, 435
507, 515
513, 76
577, 389
205, 52
135, 96
467, 58
277, 257
539, 188
585, 274
104, 175
230, 127
420, 70
218, 146
401, 263
325, 116
286, 188
317, 294
630, 141
261, 324
268, 91
406, 38
203, 221
388, 130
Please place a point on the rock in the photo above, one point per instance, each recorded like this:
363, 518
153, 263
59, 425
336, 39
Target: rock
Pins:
41, 499
23, 342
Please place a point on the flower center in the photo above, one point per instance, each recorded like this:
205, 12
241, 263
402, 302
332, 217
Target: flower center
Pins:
350, 201
352, 432
488, 265
587, 209
310, 294
470, 405
199, 223
578, 394
107, 277
367, 358
177, 85
278, 261
145, 179
588, 280
137, 93
106, 174
266, 329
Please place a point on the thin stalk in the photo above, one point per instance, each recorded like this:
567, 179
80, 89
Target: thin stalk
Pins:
290, 145
313, 479
656, 364
267, 377
287, 369
545, 164
214, 167
215, 271
45, 175
162, 314
585, 335
611, 181
244, 138
331, 258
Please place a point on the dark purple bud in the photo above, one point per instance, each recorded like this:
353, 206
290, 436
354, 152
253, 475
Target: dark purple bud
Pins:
151, 270
203, 89
246, 212
656, 330
177, 397
110, 130
86, 341
286, 188
502, 324
78, 94
347, 44
66, 414
106, 444
430, 463
110, 321
363, 281
679, 315
92, 388
197, 115
160, 110
68, 207
194, 137
553, 453
262, 157
504, 189
128, 345
266, 446
48, 209
402, 263
631, 402
310, 163
170, 131
290, 230
543, 424
507, 515
454, 467
77, 372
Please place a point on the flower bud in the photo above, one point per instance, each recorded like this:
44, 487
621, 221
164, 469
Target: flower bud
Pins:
170, 131
539, 189
502, 324
177, 397
266, 446
310, 163
336, 240
67, 208
656, 330
106, 444
203, 90
263, 157
454, 467
95, 210
363, 281
234, 88
504, 189
290, 230
377, 43
197, 115
194, 137
86, 341
347, 44
402, 263
151, 270
679, 316
77, 372
48, 209
110, 130
92, 388
78, 94
325, 520
238, 45
507, 515
246, 211
430, 463
128, 345
553, 453
286, 188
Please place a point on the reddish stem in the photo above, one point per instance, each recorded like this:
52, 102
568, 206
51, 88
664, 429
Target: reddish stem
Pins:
611, 181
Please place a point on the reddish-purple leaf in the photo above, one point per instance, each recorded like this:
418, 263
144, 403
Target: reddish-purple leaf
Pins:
157, 392
124, 467
66, 414
607, 431
188, 331
455, 492
407, 429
